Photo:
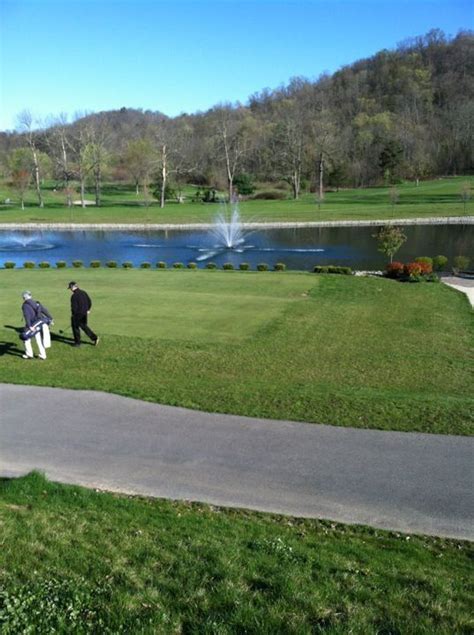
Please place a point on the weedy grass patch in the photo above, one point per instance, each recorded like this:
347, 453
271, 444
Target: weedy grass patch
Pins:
75, 560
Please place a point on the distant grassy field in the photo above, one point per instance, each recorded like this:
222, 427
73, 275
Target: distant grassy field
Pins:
363, 352
75, 561
440, 197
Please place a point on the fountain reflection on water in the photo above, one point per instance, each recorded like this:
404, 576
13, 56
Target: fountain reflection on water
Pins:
24, 243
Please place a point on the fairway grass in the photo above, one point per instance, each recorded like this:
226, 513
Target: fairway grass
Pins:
435, 198
361, 352
79, 561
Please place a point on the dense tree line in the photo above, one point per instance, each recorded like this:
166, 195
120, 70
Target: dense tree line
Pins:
406, 113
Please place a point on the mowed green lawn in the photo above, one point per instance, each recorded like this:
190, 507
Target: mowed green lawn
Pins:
438, 197
341, 350
78, 561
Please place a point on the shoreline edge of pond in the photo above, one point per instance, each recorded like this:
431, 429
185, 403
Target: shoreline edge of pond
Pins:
440, 220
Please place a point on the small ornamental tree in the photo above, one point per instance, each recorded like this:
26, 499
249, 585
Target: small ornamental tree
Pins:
390, 239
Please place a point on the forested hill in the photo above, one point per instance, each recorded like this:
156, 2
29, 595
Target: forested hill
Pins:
403, 113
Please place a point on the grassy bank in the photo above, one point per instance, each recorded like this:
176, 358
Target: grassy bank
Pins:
76, 561
440, 197
363, 352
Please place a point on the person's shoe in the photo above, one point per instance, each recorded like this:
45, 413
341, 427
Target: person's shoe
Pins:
96, 341
41, 356
26, 357
76, 344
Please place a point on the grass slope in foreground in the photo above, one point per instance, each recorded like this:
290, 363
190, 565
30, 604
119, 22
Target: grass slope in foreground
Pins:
439, 197
76, 561
364, 352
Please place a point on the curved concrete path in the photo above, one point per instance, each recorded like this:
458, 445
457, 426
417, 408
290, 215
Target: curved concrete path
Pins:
403, 481
465, 285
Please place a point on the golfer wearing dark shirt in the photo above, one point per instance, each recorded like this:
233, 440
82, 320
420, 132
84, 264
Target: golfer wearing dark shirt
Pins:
80, 307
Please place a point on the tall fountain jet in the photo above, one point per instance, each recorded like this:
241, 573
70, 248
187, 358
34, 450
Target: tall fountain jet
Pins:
228, 232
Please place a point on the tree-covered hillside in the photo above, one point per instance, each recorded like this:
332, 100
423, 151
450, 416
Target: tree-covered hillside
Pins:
406, 113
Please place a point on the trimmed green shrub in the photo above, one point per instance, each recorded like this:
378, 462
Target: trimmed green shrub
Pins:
280, 266
178, 265
332, 269
244, 266
425, 260
431, 277
192, 265
28, 264
77, 264
439, 263
61, 264
111, 264
461, 262
9, 264
211, 265
262, 266
145, 265
127, 264
95, 264
44, 265
161, 265
228, 266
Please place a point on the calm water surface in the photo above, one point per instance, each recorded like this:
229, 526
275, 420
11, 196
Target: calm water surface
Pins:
300, 248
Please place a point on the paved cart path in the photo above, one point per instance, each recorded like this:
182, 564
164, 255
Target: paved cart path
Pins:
465, 285
403, 481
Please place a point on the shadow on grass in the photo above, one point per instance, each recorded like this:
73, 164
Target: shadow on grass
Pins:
8, 348
63, 339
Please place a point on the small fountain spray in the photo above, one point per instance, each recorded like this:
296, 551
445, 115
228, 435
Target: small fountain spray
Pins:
227, 233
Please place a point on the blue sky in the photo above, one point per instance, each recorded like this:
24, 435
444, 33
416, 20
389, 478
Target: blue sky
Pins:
188, 55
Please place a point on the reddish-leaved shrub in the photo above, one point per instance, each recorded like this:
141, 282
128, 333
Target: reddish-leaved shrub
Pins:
394, 269
426, 268
412, 269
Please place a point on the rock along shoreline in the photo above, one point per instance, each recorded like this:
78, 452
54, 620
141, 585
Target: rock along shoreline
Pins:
441, 220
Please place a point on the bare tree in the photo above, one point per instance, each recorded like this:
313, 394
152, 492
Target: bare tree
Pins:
92, 154
233, 129
61, 147
290, 149
174, 157
26, 124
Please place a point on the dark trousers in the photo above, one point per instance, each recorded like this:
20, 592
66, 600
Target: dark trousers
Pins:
80, 322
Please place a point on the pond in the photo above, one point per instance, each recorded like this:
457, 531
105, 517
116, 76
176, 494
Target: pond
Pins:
298, 248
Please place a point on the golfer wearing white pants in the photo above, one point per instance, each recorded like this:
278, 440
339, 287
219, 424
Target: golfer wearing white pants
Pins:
29, 347
34, 313
46, 336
